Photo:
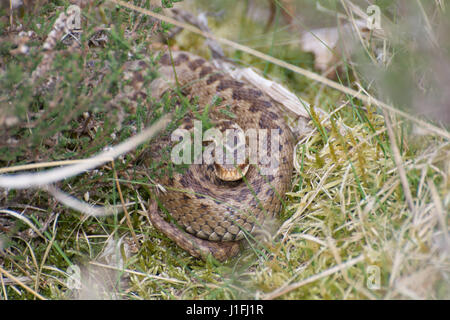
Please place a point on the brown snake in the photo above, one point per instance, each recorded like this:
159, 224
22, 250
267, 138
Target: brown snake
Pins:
212, 214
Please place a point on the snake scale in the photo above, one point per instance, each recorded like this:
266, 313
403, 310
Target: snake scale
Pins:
212, 215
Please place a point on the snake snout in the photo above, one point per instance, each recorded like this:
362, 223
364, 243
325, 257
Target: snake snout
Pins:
234, 155
230, 172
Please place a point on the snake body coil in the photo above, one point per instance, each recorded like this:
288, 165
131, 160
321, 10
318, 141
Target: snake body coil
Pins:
204, 205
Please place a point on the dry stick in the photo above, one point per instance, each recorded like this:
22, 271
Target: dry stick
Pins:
309, 74
399, 163
127, 215
286, 289
20, 283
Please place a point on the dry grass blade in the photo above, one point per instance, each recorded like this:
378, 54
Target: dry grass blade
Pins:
285, 289
399, 163
80, 206
127, 215
23, 219
46, 253
440, 213
145, 275
45, 165
20, 283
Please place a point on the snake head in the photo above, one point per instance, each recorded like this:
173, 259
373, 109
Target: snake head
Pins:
230, 172
232, 164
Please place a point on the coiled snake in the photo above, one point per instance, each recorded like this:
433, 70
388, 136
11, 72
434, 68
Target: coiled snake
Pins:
214, 214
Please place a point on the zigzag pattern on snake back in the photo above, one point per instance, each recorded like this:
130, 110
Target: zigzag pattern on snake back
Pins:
219, 212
